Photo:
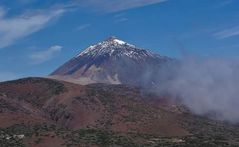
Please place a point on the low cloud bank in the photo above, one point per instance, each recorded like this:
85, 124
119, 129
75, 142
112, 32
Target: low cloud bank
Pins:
207, 86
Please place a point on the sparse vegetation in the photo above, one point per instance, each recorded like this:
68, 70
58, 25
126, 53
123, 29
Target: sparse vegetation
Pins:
104, 138
91, 137
5, 106
117, 105
41, 90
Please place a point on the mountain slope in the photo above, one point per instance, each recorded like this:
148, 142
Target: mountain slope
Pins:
111, 61
119, 108
54, 113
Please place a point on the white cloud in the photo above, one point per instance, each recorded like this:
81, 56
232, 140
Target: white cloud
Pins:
2, 12
24, 2
83, 27
223, 3
18, 27
119, 20
46, 55
116, 5
226, 33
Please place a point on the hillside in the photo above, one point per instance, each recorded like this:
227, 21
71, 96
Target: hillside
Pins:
55, 113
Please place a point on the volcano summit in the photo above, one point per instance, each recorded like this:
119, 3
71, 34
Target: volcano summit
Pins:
112, 61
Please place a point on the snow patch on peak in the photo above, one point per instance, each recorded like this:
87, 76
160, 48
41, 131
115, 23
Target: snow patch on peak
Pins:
115, 41
119, 41
115, 47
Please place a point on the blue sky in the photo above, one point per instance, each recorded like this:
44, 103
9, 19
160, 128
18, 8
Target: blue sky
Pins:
37, 36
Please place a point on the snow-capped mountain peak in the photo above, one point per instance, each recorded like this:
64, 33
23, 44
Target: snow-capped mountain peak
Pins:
115, 40
119, 41
117, 48
111, 61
